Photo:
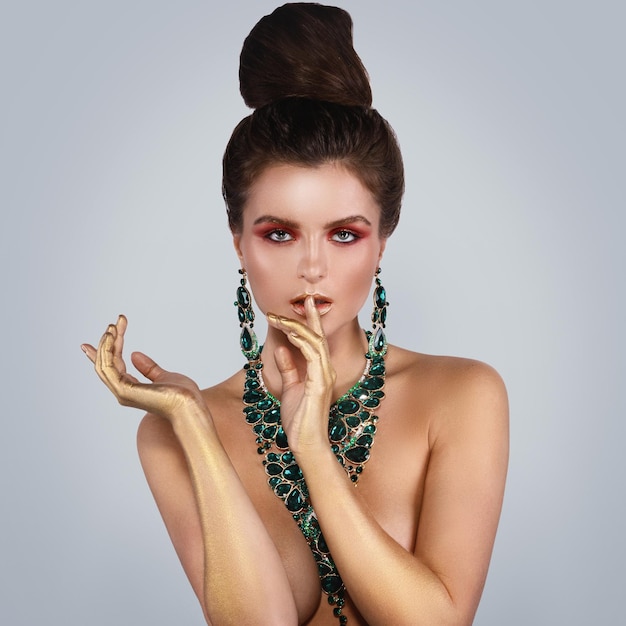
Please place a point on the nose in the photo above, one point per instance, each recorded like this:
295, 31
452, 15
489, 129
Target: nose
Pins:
312, 265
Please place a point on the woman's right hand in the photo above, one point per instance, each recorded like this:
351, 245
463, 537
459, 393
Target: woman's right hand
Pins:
168, 394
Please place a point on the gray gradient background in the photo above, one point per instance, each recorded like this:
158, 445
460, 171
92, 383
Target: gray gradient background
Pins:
114, 116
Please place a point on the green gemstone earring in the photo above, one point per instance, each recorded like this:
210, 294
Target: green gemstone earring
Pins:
247, 340
378, 341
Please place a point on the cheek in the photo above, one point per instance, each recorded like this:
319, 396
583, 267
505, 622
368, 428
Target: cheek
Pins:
266, 278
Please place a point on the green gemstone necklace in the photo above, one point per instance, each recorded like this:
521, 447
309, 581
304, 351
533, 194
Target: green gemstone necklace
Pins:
351, 430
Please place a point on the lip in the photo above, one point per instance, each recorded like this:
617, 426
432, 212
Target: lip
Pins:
323, 304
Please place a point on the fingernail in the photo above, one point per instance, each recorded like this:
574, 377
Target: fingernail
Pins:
83, 349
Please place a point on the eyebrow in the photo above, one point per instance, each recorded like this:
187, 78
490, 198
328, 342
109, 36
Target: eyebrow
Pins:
272, 219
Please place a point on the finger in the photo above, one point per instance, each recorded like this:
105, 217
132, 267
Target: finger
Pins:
89, 350
146, 366
126, 388
286, 367
312, 345
118, 345
292, 327
313, 318
105, 362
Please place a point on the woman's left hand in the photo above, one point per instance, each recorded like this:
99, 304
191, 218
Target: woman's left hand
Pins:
305, 401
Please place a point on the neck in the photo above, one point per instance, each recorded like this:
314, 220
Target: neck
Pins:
347, 348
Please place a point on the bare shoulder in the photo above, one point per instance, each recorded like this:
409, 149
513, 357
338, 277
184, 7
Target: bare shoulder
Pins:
451, 389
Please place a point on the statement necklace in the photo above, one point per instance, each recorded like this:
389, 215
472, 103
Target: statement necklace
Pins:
351, 430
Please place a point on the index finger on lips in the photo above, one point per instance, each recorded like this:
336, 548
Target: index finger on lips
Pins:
313, 317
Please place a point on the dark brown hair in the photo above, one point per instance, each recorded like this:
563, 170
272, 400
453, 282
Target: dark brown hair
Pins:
312, 96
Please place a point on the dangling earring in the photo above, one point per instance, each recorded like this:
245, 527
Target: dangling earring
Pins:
247, 340
377, 340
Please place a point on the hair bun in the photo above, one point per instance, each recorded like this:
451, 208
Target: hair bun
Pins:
303, 50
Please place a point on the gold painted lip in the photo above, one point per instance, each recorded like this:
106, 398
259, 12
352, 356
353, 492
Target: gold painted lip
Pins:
322, 304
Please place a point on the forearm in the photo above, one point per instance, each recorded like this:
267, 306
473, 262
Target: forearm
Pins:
387, 583
244, 578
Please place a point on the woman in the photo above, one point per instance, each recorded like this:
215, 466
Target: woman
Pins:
267, 523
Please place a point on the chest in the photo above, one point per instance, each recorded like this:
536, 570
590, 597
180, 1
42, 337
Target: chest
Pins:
391, 485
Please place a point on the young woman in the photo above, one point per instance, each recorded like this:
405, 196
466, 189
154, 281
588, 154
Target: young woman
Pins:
335, 479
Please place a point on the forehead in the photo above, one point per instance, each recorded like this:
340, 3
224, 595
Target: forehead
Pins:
310, 195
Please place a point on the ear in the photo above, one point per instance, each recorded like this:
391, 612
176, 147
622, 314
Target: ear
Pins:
383, 245
237, 244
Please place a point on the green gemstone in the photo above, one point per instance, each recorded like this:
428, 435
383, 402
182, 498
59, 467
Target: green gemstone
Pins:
383, 316
324, 569
353, 421
252, 384
331, 584
273, 469
294, 501
281, 439
337, 431
287, 458
379, 341
273, 481
360, 394
258, 429
265, 403
371, 403
358, 454
246, 339
378, 369
348, 406
321, 544
365, 440
375, 382
253, 416
282, 489
241, 314
269, 432
370, 429
272, 457
252, 396
292, 473
243, 297
272, 416
380, 296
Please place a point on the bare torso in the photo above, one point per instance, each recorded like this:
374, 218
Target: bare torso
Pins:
420, 394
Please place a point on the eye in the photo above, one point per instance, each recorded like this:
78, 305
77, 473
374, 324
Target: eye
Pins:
278, 235
344, 236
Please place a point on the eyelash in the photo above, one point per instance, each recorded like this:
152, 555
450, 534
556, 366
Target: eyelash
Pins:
353, 236
277, 235
280, 235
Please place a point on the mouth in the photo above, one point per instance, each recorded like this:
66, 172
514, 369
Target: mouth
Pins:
322, 304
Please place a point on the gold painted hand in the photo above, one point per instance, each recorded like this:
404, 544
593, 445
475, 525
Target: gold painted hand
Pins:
168, 393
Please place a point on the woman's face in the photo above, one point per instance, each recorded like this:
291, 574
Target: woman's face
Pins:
310, 230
